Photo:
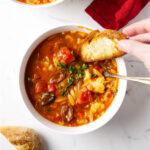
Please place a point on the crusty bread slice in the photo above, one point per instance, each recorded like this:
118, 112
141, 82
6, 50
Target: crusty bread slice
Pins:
22, 138
101, 45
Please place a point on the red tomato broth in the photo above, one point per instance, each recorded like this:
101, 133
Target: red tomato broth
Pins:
42, 66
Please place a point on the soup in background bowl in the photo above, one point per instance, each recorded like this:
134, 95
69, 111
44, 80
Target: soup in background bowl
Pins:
39, 3
63, 92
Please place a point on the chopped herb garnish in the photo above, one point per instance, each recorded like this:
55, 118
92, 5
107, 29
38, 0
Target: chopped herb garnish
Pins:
72, 52
79, 76
61, 89
65, 92
71, 69
70, 80
74, 70
115, 93
94, 75
83, 74
68, 68
84, 66
61, 65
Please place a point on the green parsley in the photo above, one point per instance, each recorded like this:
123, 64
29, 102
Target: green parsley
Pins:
68, 68
61, 65
72, 69
94, 75
78, 77
83, 74
65, 92
72, 52
84, 67
77, 73
115, 93
61, 89
70, 80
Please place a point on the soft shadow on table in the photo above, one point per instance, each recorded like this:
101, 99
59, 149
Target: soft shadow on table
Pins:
45, 142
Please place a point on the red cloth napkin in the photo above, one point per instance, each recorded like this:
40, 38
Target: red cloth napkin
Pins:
114, 14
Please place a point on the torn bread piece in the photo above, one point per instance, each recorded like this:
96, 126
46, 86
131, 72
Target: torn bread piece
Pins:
22, 138
101, 45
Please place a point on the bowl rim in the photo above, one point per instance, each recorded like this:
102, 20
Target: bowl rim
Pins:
106, 117
39, 5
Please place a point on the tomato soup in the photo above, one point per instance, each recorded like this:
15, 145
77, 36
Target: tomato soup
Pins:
64, 89
36, 2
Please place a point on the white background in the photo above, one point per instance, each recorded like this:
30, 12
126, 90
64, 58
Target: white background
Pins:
19, 26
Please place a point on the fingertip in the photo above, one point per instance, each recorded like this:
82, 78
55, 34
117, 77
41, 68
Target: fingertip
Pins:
134, 48
136, 38
125, 30
128, 31
122, 45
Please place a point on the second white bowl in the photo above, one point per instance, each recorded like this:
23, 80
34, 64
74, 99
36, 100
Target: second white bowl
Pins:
40, 5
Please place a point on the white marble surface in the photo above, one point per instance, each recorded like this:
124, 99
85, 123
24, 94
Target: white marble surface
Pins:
128, 130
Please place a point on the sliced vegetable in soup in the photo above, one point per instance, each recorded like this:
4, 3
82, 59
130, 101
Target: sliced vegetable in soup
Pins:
62, 88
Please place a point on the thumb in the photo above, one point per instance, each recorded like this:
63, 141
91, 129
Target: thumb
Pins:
134, 48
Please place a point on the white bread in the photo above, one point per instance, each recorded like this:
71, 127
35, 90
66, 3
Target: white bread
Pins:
101, 45
22, 138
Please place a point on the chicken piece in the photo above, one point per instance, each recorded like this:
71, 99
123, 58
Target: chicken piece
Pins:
95, 85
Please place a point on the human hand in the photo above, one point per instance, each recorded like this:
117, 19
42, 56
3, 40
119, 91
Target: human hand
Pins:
138, 43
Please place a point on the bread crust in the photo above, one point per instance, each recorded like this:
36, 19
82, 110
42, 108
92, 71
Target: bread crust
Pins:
87, 54
22, 138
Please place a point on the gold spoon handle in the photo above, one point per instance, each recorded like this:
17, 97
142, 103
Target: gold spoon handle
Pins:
137, 79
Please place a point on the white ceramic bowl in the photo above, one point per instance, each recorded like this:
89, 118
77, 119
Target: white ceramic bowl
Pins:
41, 5
72, 130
